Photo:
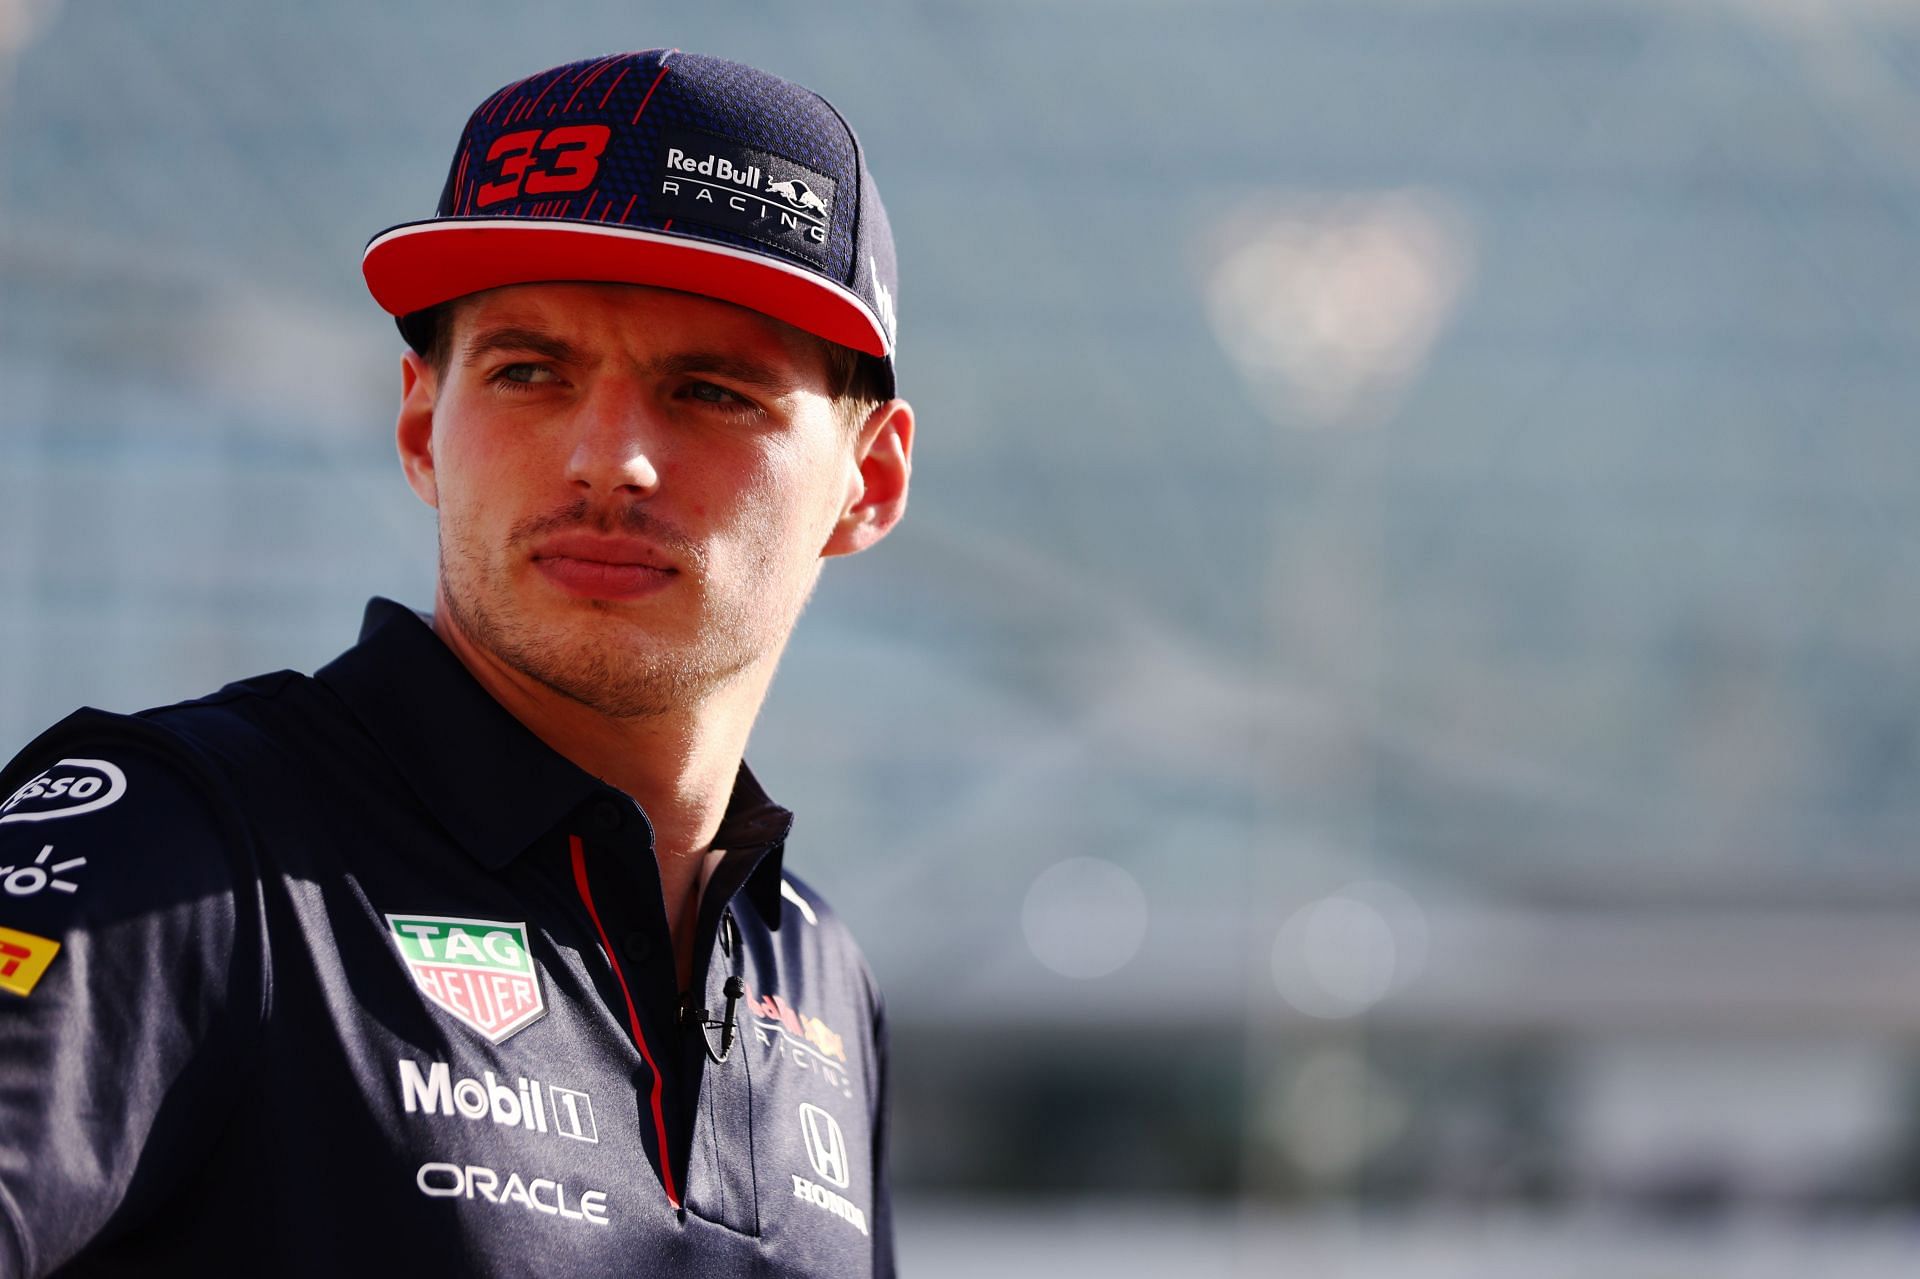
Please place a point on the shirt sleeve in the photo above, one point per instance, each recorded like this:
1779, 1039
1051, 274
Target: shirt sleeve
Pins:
123, 1013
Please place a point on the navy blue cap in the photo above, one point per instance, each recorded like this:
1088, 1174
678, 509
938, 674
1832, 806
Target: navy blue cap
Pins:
663, 168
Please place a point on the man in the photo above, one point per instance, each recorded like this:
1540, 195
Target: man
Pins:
474, 952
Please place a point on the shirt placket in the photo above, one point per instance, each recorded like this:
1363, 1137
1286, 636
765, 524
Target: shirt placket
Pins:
722, 1169
610, 864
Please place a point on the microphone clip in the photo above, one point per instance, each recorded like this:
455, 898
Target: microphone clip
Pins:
728, 1025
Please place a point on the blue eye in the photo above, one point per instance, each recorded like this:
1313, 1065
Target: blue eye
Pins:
525, 374
718, 397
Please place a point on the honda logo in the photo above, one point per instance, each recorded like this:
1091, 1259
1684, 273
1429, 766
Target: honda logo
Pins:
826, 1145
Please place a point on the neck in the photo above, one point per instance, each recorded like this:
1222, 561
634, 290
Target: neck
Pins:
679, 765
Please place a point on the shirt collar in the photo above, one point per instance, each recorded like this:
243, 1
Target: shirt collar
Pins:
484, 776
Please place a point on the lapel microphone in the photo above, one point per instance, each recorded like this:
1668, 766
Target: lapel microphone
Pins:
734, 988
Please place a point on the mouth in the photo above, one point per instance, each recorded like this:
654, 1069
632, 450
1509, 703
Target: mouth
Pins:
589, 566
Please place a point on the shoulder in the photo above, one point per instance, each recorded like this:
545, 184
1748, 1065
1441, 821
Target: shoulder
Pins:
144, 812
249, 722
128, 889
187, 746
96, 768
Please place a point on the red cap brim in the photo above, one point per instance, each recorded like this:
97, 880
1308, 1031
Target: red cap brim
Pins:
422, 264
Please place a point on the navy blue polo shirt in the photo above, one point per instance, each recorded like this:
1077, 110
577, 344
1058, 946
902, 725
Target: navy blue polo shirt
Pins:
352, 972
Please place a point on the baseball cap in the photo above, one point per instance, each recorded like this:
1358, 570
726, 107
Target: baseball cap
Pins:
662, 168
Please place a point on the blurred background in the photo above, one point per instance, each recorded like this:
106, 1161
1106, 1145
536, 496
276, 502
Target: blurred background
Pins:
1386, 745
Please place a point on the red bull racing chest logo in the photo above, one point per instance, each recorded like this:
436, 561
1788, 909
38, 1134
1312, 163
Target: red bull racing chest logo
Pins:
479, 970
810, 1031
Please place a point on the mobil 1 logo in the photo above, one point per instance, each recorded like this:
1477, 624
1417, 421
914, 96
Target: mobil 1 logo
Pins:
522, 1102
716, 181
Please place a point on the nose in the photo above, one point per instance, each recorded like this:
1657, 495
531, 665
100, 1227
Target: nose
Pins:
616, 443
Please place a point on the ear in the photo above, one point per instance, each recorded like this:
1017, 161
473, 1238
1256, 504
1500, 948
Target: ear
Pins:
413, 433
876, 494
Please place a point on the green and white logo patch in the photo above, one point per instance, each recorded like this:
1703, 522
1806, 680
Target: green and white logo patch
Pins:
480, 970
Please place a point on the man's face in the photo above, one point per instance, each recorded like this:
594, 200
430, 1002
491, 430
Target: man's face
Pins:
635, 486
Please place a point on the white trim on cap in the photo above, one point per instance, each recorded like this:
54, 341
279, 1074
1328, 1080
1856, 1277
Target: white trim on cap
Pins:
814, 278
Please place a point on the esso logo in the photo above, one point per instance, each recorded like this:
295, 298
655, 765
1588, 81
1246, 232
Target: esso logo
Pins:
71, 787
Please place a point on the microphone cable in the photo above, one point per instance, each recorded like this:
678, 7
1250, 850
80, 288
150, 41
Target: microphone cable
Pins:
734, 988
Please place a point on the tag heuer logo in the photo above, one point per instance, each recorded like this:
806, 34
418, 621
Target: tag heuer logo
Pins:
477, 969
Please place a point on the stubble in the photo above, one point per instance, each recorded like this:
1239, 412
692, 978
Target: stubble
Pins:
601, 653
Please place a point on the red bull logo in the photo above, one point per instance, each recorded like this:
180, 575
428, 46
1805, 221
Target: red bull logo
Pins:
720, 182
808, 1029
799, 195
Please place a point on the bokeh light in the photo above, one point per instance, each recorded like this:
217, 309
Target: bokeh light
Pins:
1084, 917
1340, 955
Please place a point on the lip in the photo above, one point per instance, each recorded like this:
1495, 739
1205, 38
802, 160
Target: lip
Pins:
596, 566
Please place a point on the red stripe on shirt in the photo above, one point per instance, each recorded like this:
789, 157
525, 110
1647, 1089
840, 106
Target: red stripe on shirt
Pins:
633, 1017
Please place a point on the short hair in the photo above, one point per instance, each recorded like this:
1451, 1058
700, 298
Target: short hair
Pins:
858, 380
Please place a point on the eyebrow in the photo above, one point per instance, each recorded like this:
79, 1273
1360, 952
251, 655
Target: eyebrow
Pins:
516, 339
737, 368
768, 377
